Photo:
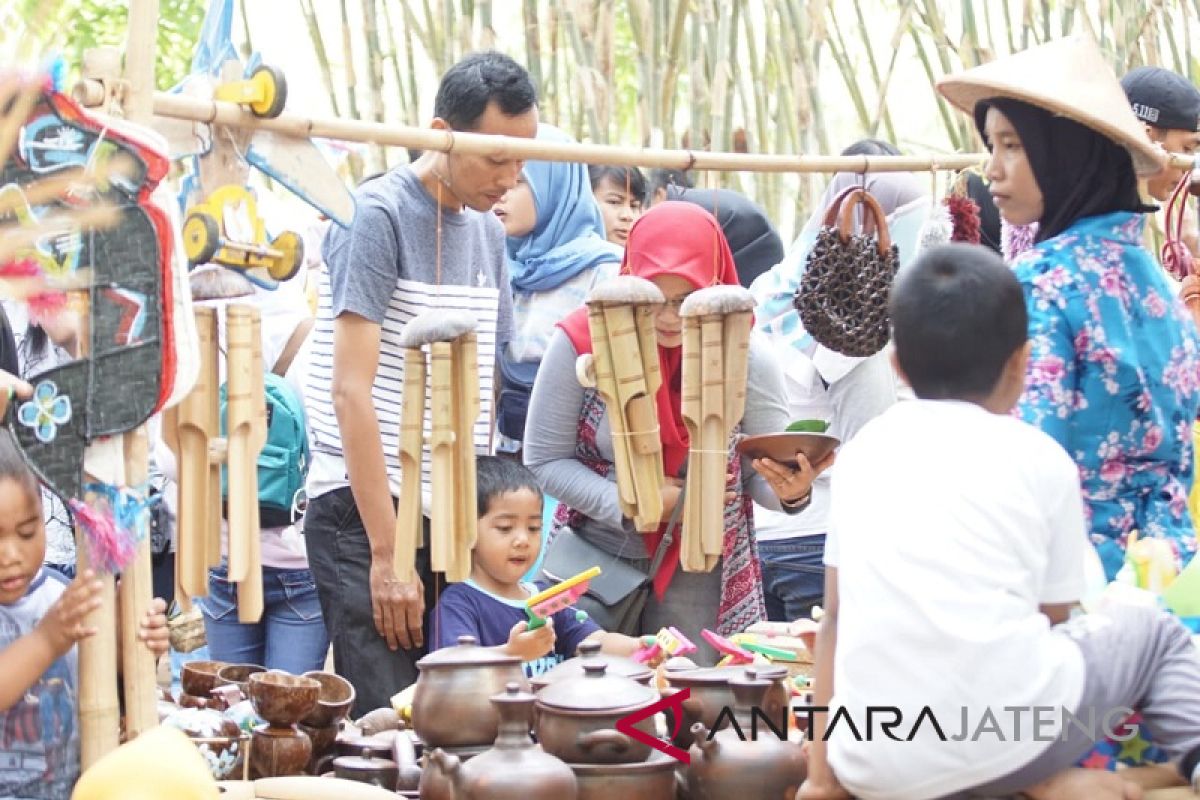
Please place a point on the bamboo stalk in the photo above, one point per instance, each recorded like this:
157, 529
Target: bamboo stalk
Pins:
374, 73
606, 385
250, 591
194, 434
441, 444
348, 58
136, 592
318, 41
412, 429
180, 107
466, 396
533, 44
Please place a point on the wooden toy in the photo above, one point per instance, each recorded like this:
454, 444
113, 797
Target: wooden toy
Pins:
562, 595
668, 642
225, 228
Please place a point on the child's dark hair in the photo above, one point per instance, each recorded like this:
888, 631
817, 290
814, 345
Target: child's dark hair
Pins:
495, 475
620, 177
478, 79
958, 315
13, 466
872, 147
663, 178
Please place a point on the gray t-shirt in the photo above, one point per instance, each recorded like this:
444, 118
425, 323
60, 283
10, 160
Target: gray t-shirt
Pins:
385, 267
550, 442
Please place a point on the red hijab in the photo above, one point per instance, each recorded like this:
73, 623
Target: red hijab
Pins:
672, 238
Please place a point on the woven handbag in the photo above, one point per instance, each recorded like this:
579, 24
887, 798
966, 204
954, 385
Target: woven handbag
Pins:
1176, 257
843, 295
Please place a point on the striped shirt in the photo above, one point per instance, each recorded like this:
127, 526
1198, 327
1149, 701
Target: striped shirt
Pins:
384, 267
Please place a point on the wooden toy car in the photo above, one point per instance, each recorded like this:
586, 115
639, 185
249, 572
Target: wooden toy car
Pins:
264, 92
226, 229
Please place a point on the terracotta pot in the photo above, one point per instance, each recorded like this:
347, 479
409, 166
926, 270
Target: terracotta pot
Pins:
515, 768
435, 784
275, 752
238, 675
322, 744
725, 766
451, 704
380, 744
710, 692
282, 699
333, 701
654, 779
577, 717
381, 772
198, 678
406, 755
590, 651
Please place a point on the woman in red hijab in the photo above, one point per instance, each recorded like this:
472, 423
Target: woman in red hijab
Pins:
568, 442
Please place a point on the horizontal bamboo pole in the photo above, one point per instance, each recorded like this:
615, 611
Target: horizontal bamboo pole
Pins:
198, 110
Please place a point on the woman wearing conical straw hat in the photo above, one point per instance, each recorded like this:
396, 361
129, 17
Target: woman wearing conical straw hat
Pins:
1113, 378
1115, 366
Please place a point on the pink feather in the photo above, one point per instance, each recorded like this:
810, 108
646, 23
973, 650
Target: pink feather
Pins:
111, 549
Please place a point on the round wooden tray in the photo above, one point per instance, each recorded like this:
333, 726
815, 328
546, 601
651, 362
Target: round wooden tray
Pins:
782, 447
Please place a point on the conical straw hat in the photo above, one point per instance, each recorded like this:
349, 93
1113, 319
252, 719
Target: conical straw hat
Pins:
1069, 77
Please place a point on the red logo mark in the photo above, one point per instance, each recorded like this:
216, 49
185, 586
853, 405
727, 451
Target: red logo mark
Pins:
675, 702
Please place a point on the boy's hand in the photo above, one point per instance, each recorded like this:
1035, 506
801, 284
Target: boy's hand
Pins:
528, 645
63, 624
152, 630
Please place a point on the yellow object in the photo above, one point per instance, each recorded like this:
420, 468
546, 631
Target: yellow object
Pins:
558, 589
1194, 497
1153, 563
264, 92
161, 764
402, 701
225, 228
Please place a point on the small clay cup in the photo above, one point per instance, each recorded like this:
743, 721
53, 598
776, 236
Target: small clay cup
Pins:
282, 699
238, 675
275, 752
199, 677
333, 701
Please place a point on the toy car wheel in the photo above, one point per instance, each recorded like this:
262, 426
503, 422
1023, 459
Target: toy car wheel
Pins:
288, 264
274, 87
201, 238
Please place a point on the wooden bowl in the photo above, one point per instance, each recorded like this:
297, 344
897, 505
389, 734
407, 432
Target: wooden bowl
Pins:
199, 677
333, 701
782, 447
238, 675
283, 699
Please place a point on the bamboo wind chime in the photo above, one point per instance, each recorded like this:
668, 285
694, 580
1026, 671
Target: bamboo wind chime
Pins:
624, 369
716, 343
192, 431
453, 379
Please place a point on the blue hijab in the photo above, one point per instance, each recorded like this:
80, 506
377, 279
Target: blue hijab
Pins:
568, 237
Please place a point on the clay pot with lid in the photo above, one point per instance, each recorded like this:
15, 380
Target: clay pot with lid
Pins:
653, 779
721, 765
590, 651
577, 718
452, 703
515, 768
711, 692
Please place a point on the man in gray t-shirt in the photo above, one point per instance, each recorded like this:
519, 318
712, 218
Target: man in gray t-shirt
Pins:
389, 265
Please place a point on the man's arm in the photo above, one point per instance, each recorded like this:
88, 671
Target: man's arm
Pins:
397, 607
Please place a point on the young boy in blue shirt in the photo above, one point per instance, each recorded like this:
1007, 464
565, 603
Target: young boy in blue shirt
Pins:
490, 605
955, 558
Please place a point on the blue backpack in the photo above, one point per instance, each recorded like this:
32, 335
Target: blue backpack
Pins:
283, 462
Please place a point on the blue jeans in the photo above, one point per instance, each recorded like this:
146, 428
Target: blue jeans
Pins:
793, 575
291, 634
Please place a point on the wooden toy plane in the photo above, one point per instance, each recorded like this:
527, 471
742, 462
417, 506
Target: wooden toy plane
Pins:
544, 604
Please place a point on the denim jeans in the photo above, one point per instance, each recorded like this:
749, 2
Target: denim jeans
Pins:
291, 634
340, 557
793, 573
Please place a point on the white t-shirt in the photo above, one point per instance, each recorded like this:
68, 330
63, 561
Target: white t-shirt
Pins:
950, 525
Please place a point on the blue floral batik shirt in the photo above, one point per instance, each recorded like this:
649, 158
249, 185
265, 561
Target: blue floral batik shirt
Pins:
1114, 377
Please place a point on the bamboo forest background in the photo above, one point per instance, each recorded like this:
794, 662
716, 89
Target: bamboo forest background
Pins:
774, 76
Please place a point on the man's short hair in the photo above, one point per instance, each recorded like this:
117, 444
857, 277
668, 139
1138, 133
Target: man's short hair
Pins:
958, 315
478, 79
662, 178
631, 177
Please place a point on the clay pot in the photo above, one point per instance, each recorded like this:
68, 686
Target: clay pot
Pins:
322, 744
282, 699
710, 692
577, 717
451, 704
590, 651
275, 752
515, 768
238, 675
380, 744
381, 772
654, 779
405, 754
334, 700
721, 765
198, 678
435, 783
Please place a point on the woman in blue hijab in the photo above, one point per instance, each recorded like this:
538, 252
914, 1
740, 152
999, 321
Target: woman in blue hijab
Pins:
557, 252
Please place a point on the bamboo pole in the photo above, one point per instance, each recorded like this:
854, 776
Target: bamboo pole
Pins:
136, 590
219, 112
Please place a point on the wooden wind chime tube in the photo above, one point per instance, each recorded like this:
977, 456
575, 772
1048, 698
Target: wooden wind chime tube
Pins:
453, 372
716, 341
250, 591
624, 369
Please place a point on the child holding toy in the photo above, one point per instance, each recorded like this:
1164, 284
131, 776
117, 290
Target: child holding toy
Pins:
490, 605
41, 619
956, 551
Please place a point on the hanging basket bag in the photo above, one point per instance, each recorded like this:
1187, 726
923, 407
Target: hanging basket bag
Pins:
843, 295
1175, 254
